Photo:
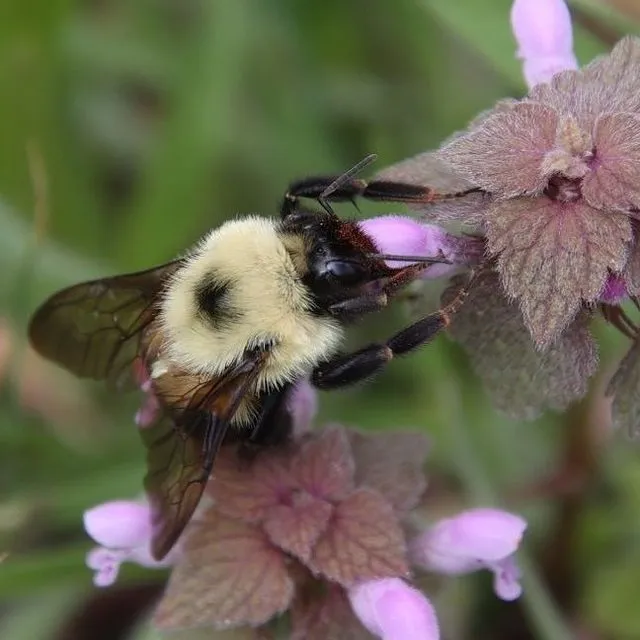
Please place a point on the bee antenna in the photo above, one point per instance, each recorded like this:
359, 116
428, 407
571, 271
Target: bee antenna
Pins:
341, 180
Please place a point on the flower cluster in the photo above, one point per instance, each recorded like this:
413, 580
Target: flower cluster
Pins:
555, 203
318, 529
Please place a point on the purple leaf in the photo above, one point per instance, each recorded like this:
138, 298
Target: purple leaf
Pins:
325, 616
296, 527
503, 154
625, 387
614, 181
247, 490
552, 256
229, 575
392, 464
521, 380
324, 465
364, 541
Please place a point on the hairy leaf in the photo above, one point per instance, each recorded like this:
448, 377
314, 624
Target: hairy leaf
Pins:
296, 527
325, 616
324, 465
392, 464
248, 489
364, 541
503, 154
632, 270
614, 182
625, 387
554, 256
228, 575
521, 380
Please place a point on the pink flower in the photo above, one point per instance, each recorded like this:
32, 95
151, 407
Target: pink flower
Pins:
327, 510
473, 540
399, 235
393, 610
149, 411
317, 530
302, 403
545, 40
555, 207
123, 529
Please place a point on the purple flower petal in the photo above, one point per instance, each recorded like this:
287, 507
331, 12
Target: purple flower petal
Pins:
106, 564
303, 405
120, 524
545, 39
506, 579
403, 236
392, 610
468, 541
149, 409
615, 290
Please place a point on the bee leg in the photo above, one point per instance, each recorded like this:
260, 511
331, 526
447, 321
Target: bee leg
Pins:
362, 364
322, 189
272, 428
274, 424
353, 367
354, 307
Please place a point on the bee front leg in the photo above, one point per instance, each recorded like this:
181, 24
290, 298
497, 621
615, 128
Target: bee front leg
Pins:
354, 307
357, 366
350, 368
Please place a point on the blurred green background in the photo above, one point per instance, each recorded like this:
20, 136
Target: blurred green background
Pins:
130, 127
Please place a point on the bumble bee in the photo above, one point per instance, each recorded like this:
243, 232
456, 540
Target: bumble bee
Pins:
225, 331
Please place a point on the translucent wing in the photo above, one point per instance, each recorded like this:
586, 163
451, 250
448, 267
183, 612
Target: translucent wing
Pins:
182, 446
93, 329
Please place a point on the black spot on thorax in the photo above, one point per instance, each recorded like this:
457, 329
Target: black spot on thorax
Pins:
213, 300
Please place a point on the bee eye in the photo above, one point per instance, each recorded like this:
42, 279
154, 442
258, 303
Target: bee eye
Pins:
346, 272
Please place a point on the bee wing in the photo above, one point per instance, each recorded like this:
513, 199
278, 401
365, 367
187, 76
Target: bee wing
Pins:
182, 446
93, 329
